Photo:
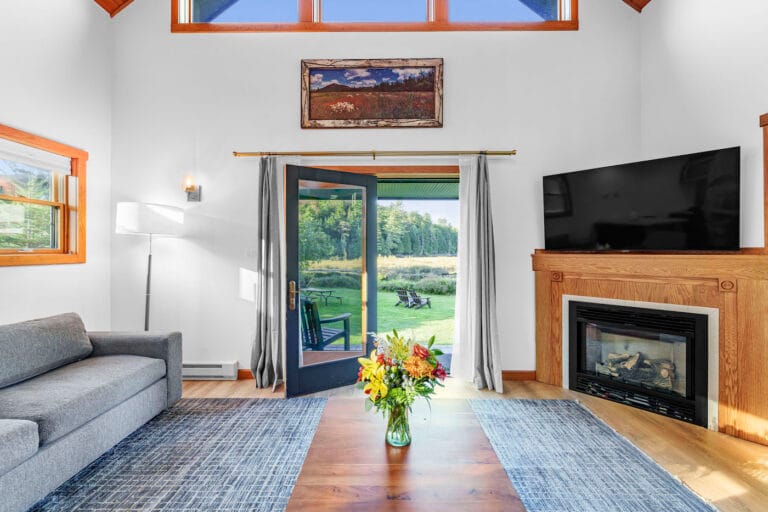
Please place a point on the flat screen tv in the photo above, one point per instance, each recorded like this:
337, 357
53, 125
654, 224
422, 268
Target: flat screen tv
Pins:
681, 203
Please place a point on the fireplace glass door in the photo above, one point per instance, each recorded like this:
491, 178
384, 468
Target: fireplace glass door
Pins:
655, 361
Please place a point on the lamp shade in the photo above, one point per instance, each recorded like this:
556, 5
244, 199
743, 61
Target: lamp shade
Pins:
148, 219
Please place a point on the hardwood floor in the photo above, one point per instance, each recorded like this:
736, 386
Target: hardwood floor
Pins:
731, 473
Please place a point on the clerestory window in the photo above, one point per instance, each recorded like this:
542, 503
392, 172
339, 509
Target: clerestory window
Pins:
372, 15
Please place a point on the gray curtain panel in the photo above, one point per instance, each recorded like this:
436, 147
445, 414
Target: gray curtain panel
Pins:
477, 355
267, 349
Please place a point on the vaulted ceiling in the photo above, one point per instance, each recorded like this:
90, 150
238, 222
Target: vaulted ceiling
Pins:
115, 6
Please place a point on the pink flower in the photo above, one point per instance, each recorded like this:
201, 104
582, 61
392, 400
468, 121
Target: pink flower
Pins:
439, 371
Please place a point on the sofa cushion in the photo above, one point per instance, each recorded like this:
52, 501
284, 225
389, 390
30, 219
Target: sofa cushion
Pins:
34, 347
18, 442
64, 399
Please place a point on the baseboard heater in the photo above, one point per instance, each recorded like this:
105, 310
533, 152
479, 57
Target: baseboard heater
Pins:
209, 371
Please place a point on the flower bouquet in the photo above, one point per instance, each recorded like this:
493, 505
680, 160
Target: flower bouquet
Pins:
398, 371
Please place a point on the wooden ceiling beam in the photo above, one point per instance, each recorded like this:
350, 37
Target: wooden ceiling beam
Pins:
637, 5
113, 6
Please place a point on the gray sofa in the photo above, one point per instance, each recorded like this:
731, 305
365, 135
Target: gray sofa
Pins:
67, 396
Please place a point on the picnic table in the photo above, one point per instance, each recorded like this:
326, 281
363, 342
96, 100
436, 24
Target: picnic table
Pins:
322, 293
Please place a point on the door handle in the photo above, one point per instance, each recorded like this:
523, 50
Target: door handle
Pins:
292, 295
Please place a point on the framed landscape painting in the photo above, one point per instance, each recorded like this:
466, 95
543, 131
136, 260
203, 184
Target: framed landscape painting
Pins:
399, 93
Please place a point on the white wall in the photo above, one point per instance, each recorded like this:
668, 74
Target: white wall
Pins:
704, 80
566, 100
55, 82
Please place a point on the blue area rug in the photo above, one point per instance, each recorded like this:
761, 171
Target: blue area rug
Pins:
561, 458
201, 455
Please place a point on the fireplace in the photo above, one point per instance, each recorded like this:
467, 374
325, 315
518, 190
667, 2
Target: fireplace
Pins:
647, 358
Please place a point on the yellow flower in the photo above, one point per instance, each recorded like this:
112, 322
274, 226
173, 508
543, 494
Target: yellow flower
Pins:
376, 389
369, 365
373, 372
397, 347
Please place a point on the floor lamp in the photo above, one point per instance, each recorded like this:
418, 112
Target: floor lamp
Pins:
149, 220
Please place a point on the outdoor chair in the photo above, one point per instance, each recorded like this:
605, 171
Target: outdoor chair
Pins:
402, 298
418, 301
314, 335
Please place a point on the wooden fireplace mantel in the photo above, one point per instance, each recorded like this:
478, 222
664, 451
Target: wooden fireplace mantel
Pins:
734, 283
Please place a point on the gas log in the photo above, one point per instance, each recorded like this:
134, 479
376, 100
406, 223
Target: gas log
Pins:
659, 373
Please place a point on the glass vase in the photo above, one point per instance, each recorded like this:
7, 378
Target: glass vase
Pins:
398, 428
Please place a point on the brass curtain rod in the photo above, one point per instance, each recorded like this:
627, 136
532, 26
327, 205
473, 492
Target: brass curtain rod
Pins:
373, 153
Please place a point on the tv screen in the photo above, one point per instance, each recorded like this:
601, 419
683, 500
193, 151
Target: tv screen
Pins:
681, 203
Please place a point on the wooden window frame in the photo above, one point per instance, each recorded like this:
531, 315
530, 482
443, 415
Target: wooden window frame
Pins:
63, 254
437, 13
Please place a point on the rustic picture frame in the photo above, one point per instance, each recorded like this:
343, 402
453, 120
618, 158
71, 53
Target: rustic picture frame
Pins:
372, 93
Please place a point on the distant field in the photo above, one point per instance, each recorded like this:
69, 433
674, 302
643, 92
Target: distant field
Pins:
372, 105
384, 263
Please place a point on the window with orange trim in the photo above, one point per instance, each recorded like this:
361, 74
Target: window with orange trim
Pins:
42, 200
372, 15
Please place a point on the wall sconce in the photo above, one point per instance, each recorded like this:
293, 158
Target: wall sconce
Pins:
193, 191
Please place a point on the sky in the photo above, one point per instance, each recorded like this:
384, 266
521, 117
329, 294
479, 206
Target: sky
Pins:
362, 77
443, 208
286, 11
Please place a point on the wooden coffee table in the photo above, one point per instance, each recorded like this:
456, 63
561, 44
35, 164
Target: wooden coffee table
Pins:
450, 465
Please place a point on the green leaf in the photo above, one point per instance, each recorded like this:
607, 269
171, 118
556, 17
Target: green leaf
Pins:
437, 352
431, 342
368, 405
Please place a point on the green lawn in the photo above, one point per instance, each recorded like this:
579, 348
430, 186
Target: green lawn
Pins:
420, 324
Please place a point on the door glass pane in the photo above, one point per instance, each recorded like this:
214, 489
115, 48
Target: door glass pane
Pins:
245, 11
28, 226
503, 10
332, 293
374, 11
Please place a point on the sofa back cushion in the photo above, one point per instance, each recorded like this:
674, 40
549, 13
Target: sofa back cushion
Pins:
37, 346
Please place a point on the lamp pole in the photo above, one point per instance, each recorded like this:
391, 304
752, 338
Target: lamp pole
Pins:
149, 285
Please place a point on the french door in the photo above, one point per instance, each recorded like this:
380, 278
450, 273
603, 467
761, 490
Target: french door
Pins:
331, 276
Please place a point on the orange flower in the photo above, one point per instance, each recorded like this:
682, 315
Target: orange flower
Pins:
418, 367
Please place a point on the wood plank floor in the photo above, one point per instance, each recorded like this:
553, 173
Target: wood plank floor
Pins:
731, 473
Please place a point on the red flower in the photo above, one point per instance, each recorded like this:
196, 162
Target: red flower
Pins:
360, 374
439, 371
420, 351
380, 359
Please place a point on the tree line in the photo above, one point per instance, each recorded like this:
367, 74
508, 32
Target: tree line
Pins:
35, 230
332, 229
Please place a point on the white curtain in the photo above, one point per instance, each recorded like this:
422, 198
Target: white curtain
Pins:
476, 355
268, 347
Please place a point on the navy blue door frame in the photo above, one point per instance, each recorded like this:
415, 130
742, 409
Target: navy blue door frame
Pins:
331, 374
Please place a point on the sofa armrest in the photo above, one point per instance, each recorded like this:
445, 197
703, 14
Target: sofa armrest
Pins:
159, 346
